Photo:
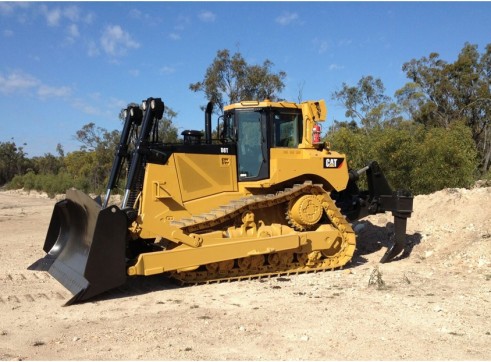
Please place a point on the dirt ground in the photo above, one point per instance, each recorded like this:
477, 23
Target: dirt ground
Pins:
434, 304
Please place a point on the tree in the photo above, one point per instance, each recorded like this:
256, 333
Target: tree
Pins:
167, 131
47, 164
416, 156
442, 93
97, 152
367, 103
444, 158
13, 161
229, 79
412, 156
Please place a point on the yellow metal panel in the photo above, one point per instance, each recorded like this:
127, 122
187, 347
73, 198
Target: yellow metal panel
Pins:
187, 184
287, 164
218, 250
204, 175
161, 182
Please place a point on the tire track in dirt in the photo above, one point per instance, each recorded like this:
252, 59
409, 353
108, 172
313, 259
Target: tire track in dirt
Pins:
19, 288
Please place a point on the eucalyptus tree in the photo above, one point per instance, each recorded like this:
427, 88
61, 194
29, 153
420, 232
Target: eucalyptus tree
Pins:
367, 104
230, 79
441, 93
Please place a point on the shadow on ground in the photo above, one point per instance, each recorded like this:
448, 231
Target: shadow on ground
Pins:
139, 285
371, 238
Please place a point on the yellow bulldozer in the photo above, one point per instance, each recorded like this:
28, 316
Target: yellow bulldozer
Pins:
261, 195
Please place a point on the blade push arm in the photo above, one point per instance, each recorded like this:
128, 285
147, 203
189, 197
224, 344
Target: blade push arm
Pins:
133, 118
154, 109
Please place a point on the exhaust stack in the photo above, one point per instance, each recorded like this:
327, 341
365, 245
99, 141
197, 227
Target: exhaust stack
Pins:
208, 112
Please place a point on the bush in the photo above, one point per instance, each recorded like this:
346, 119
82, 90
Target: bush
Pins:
49, 183
412, 157
447, 158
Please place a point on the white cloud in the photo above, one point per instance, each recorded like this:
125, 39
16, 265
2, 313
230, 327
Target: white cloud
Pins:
116, 42
139, 15
72, 13
45, 91
174, 36
345, 42
207, 16
86, 108
73, 31
95, 104
167, 70
182, 22
115, 103
7, 33
320, 45
335, 66
89, 18
135, 14
286, 18
52, 16
8, 8
16, 82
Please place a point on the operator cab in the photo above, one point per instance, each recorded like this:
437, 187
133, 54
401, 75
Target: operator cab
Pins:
257, 129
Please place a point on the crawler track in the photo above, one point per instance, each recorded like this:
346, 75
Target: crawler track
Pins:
274, 264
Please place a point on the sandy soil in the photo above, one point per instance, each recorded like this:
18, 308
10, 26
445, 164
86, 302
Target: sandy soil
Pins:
434, 304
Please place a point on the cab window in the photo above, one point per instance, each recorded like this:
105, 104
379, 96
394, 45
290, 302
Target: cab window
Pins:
287, 128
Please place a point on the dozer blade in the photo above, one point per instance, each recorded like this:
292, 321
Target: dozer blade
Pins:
85, 246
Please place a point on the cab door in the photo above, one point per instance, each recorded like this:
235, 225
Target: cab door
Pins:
252, 148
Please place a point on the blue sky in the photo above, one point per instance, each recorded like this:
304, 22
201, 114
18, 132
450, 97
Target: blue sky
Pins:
65, 64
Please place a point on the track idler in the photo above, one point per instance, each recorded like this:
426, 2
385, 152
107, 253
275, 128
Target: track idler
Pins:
85, 246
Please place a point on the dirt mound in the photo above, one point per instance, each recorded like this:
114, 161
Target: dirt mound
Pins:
449, 226
455, 225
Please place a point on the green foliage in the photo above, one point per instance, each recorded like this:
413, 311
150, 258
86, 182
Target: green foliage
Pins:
49, 183
86, 169
352, 142
441, 93
47, 164
229, 79
167, 131
412, 157
366, 103
13, 161
396, 150
448, 159
93, 167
